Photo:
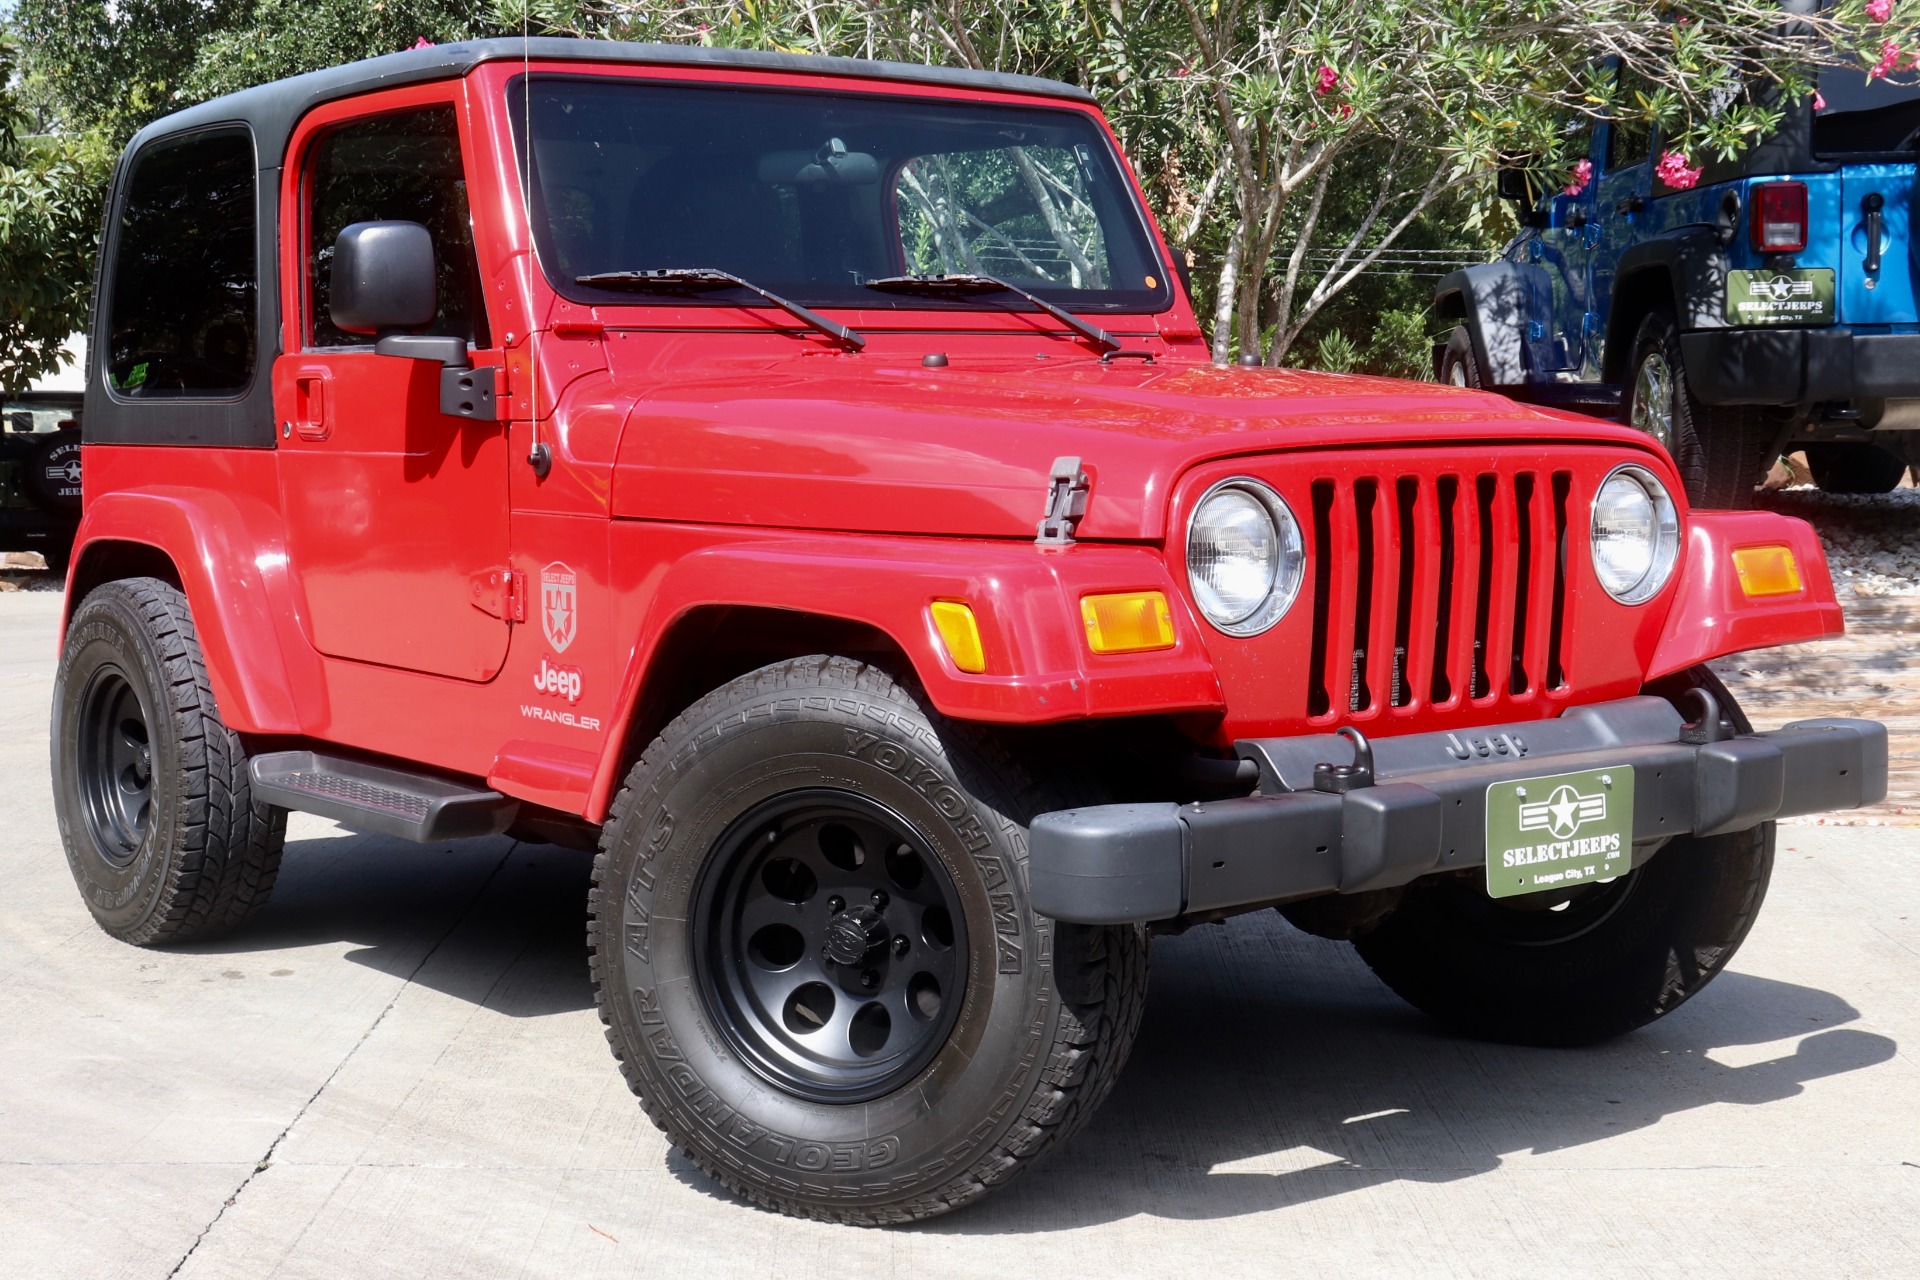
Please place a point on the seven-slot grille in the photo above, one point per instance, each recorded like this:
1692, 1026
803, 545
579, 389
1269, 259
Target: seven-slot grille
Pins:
1437, 589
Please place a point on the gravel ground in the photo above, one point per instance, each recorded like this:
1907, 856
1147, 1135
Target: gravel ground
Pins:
1873, 543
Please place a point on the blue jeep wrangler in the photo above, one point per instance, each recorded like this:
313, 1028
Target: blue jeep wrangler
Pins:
1772, 305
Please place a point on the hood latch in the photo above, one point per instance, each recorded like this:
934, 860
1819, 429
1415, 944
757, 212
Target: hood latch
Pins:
1067, 490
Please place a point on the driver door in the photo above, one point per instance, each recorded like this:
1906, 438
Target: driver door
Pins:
396, 514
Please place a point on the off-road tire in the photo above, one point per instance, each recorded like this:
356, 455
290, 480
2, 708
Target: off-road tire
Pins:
1050, 1009
1720, 450
1854, 467
1628, 952
205, 859
1458, 367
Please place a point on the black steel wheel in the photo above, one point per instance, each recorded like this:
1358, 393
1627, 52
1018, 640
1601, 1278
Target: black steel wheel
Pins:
812, 946
162, 834
829, 946
114, 763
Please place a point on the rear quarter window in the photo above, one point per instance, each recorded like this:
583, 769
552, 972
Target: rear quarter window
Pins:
183, 321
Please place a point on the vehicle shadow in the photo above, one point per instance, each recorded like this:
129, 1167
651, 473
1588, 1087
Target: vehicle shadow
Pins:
494, 922
1274, 1070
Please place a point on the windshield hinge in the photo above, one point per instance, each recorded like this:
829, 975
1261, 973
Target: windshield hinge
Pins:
500, 593
1067, 490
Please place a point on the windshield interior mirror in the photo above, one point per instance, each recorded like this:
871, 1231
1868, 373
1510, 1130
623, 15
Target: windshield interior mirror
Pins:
832, 164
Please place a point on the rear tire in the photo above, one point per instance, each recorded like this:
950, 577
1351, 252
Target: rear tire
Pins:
763, 899
1616, 957
1854, 467
1720, 450
151, 790
1458, 367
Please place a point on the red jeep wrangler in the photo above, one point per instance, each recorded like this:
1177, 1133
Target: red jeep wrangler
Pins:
641, 449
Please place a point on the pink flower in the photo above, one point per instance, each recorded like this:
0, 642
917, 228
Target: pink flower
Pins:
1879, 10
1181, 73
1346, 111
1889, 55
1582, 175
423, 43
1819, 103
1673, 171
1326, 82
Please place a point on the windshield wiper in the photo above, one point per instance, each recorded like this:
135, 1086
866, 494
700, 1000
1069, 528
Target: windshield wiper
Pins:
962, 283
694, 279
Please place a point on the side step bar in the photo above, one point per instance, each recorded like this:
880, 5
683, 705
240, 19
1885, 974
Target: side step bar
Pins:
389, 802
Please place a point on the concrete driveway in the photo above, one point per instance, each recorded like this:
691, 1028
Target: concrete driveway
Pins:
398, 1072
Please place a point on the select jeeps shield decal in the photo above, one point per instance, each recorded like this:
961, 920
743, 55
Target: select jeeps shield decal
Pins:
559, 605
1567, 829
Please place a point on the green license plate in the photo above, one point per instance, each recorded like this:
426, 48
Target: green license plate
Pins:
1800, 296
1563, 829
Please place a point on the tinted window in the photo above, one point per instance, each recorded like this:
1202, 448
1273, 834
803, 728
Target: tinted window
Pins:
812, 194
1630, 136
1866, 115
183, 319
403, 167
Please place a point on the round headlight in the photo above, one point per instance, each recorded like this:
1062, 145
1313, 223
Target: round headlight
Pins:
1245, 557
1636, 535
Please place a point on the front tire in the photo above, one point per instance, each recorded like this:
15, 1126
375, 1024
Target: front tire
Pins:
1458, 367
1720, 450
1583, 965
812, 946
151, 789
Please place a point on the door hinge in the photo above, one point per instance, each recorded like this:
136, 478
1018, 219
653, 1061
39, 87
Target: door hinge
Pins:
500, 593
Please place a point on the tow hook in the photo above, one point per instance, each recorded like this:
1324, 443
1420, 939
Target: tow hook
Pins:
1710, 727
1342, 778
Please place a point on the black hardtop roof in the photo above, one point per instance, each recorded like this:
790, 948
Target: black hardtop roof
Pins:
273, 109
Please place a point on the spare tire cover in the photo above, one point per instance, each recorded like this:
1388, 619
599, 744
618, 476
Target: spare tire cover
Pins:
54, 473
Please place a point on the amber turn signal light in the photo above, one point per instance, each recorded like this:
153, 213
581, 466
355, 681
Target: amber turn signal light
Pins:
1767, 571
960, 632
1127, 622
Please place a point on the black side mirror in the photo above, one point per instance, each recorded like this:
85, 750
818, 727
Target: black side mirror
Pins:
383, 278
1183, 267
1512, 184
383, 282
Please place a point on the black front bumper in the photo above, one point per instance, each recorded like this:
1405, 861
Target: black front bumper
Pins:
1426, 812
1800, 366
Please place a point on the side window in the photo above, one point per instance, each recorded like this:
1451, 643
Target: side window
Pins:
1023, 213
1630, 137
183, 321
402, 167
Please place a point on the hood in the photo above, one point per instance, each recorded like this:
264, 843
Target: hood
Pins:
850, 443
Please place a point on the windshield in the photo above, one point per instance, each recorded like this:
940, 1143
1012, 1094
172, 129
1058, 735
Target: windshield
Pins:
812, 194
1864, 115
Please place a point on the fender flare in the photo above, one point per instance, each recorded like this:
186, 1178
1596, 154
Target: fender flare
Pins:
1693, 262
1492, 302
231, 558
1711, 616
1039, 670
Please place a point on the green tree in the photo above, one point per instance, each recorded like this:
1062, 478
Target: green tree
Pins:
49, 220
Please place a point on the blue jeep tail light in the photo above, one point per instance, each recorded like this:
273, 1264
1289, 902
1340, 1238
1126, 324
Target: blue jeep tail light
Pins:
1780, 217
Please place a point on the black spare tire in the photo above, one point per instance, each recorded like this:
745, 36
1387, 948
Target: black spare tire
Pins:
53, 474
